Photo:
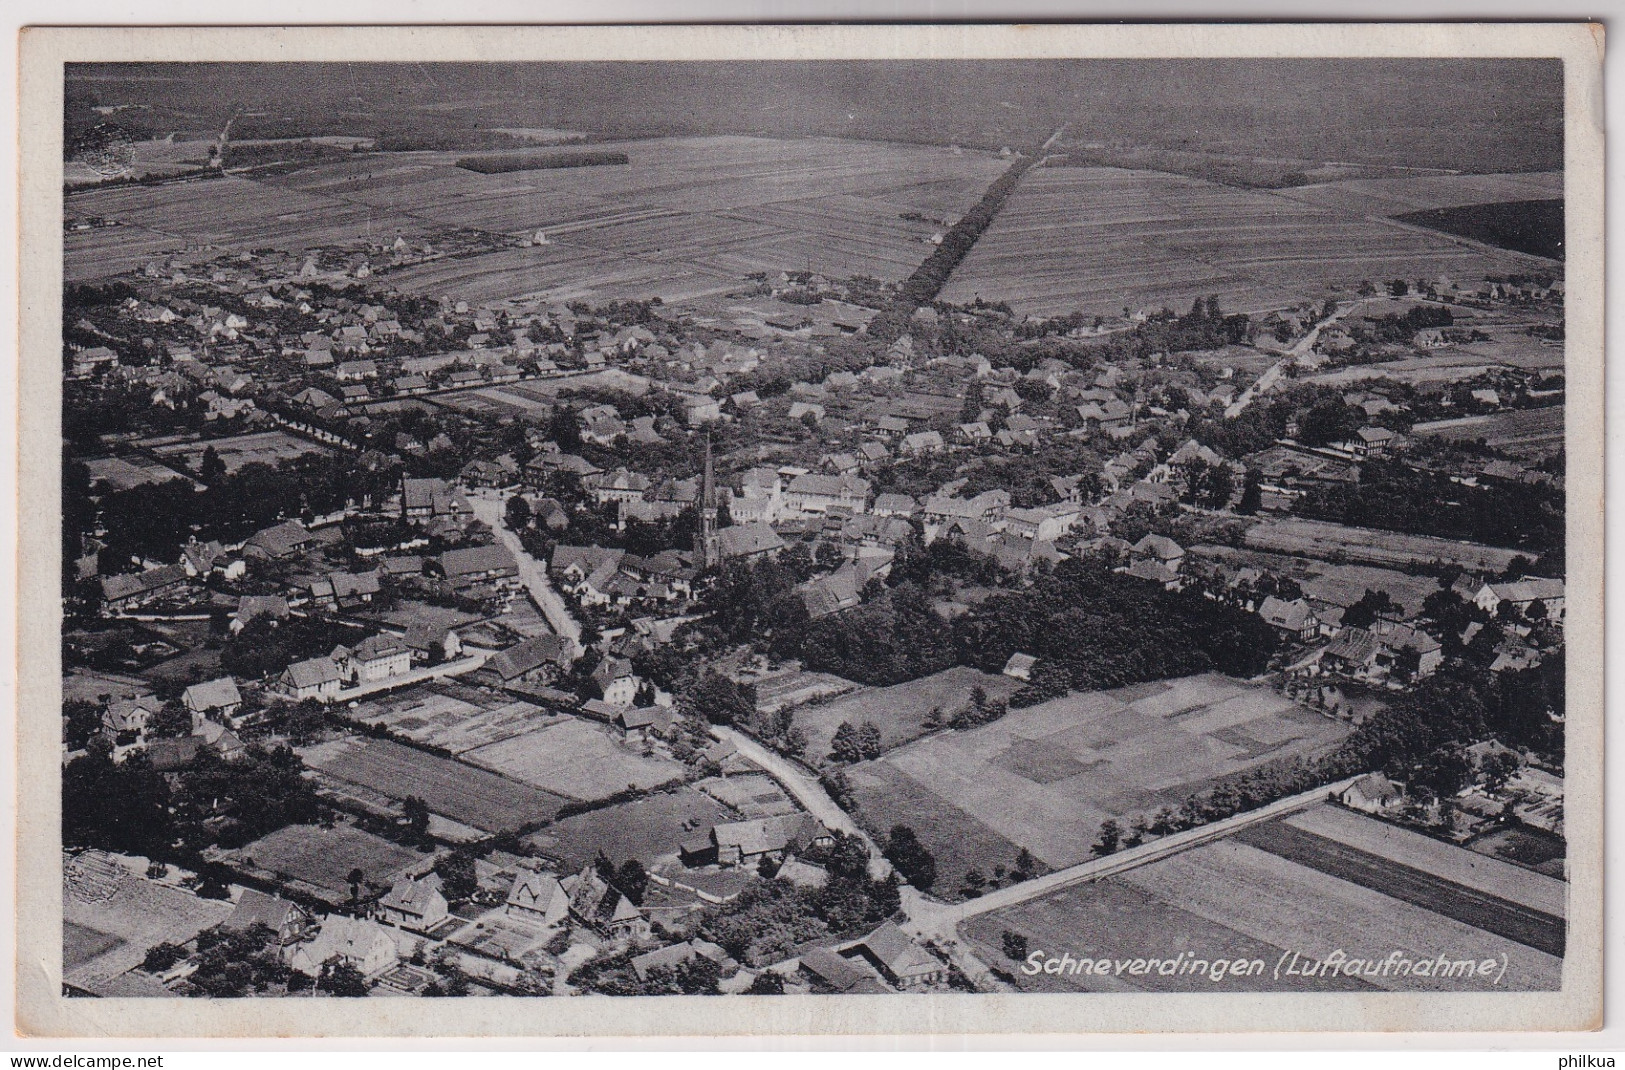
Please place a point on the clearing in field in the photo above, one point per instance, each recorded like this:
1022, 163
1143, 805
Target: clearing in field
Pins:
262, 447
899, 711
1101, 239
684, 218
319, 860
575, 758
1327, 541
464, 794
454, 718
1531, 433
1230, 898
645, 829
1047, 776
111, 914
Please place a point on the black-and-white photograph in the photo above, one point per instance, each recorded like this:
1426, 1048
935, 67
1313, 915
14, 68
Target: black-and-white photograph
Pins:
589, 529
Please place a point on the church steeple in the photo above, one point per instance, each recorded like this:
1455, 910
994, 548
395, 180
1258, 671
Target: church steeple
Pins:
705, 538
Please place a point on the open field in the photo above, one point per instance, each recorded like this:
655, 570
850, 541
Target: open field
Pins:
886, 796
1047, 776
1231, 898
453, 718
575, 758
1316, 538
645, 829
126, 473
899, 711
321, 858
1533, 227
1099, 239
1523, 433
499, 401
1397, 196
774, 693
263, 447
111, 914
229, 212
460, 792
685, 218
751, 794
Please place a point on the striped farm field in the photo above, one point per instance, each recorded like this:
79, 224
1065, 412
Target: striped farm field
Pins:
1395, 196
460, 792
1232, 898
1338, 542
1525, 432
1099, 239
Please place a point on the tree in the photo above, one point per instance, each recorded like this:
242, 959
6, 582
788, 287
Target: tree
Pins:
355, 879
844, 745
1328, 422
457, 875
1497, 769
517, 514
172, 721
1252, 493
631, 880
869, 741
211, 468
766, 983
1025, 865
162, 956
416, 812
1013, 944
342, 978
81, 720
1372, 604
1111, 835
914, 862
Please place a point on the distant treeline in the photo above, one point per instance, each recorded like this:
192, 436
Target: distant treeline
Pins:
496, 165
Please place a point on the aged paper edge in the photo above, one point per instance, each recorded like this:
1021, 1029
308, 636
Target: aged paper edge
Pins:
42, 1012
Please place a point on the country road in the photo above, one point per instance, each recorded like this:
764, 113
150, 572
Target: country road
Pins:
1273, 374
488, 508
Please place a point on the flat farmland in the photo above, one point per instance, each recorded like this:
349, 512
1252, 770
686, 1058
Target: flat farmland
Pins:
466, 795
127, 473
1396, 196
1523, 433
453, 718
229, 212
1233, 898
1317, 538
685, 218
1098, 239
1047, 776
322, 858
575, 758
499, 401
899, 711
645, 829
263, 447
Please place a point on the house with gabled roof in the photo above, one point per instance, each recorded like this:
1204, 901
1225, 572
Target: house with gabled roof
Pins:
366, 945
601, 907
287, 919
537, 897
1296, 619
317, 678
216, 698
415, 904
899, 959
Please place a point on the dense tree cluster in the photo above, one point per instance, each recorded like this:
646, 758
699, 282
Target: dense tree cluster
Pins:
1393, 496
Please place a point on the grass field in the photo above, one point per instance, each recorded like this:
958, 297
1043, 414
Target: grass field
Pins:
1231, 898
575, 758
321, 858
1523, 433
1098, 239
1046, 777
1319, 539
645, 829
452, 789
898, 711
886, 796
126, 473
263, 447
111, 914
1397, 196
452, 717
82, 944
